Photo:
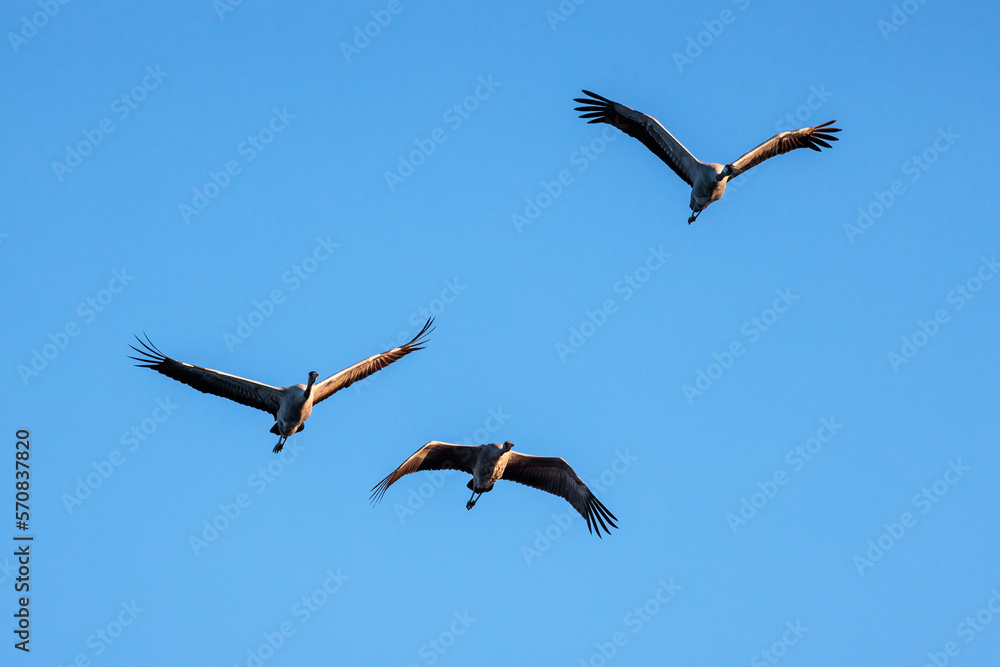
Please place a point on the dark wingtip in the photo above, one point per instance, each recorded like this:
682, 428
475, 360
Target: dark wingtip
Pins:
600, 511
595, 96
377, 492
600, 520
421, 338
151, 356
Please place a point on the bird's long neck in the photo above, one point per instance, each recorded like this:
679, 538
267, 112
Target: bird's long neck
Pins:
309, 387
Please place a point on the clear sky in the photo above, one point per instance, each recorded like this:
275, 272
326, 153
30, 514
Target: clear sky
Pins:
790, 405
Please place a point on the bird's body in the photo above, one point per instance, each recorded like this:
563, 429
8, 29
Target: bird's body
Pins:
290, 406
707, 179
296, 407
709, 186
492, 462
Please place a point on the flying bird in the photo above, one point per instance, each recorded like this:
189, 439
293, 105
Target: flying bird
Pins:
492, 462
707, 179
290, 406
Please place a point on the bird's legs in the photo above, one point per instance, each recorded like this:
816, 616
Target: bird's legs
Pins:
694, 216
281, 443
472, 501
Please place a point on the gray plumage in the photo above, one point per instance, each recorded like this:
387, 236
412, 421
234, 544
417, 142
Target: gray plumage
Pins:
492, 462
707, 179
289, 406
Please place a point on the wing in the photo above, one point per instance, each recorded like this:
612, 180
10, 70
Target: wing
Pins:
807, 137
551, 474
247, 392
363, 369
432, 456
644, 128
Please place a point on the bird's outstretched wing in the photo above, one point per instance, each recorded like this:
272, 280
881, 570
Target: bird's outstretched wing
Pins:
552, 474
807, 137
646, 129
432, 456
373, 364
247, 392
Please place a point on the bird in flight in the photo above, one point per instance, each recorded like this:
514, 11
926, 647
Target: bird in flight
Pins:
290, 406
492, 462
707, 179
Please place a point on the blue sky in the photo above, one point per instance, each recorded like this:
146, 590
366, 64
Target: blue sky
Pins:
789, 405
